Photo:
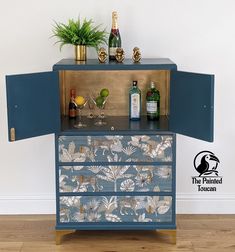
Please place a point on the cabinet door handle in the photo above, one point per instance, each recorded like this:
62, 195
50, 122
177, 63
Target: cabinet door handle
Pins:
12, 134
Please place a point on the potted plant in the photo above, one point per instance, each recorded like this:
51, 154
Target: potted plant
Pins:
80, 34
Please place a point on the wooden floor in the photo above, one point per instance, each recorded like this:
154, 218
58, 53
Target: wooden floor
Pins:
198, 233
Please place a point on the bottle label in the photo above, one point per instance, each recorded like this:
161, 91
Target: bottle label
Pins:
135, 106
72, 113
112, 51
151, 107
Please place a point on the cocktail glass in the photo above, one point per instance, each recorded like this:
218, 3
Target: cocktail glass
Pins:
80, 123
91, 106
100, 104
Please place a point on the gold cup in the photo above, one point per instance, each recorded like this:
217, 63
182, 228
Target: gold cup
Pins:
80, 52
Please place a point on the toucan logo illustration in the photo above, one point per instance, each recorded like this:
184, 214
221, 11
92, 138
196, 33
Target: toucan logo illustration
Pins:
206, 163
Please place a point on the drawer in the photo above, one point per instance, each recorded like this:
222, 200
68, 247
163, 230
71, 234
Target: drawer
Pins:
115, 178
116, 148
115, 209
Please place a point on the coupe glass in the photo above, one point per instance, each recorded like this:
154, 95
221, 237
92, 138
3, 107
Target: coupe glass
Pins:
80, 123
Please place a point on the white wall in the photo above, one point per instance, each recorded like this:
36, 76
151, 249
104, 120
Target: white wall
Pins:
199, 35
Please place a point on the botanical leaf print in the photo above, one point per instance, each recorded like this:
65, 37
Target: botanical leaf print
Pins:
109, 204
142, 179
145, 138
163, 172
127, 185
144, 148
111, 177
112, 218
71, 148
78, 167
65, 156
163, 209
114, 209
105, 178
129, 150
142, 218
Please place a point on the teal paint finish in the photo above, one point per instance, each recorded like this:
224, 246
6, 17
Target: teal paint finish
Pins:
83, 210
192, 104
119, 124
191, 114
33, 104
128, 64
116, 226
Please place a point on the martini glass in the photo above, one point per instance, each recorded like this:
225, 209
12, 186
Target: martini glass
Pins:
80, 123
100, 104
91, 107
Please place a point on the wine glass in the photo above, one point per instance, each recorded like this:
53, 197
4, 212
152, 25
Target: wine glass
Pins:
80, 123
100, 104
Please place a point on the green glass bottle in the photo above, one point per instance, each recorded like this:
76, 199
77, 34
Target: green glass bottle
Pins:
114, 37
134, 102
153, 103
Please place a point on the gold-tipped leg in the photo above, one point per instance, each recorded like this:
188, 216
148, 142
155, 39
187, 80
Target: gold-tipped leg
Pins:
170, 232
60, 233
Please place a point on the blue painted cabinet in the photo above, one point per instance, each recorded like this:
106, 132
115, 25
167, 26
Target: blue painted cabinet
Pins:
122, 175
124, 181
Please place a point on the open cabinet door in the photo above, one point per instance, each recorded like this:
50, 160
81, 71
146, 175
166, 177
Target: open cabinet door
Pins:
192, 104
33, 104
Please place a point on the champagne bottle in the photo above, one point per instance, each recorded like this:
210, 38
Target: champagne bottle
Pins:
72, 105
114, 37
134, 102
153, 103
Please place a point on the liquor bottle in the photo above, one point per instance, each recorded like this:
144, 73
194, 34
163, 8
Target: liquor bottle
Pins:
153, 103
134, 102
114, 37
72, 105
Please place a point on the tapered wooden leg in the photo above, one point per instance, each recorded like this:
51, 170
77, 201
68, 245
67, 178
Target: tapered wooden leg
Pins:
60, 233
171, 232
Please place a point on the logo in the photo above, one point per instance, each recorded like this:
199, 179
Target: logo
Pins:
206, 164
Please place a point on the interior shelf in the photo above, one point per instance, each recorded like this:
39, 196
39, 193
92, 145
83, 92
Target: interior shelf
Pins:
116, 124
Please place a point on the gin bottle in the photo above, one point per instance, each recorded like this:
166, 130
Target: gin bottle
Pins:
134, 102
153, 103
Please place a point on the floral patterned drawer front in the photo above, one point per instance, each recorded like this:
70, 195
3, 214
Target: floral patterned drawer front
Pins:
114, 178
115, 209
138, 148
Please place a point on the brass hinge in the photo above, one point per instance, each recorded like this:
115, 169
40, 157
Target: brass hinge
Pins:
12, 134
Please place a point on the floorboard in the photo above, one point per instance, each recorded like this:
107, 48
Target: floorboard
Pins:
195, 233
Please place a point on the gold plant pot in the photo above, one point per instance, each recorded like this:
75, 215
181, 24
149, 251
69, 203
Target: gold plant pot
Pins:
80, 52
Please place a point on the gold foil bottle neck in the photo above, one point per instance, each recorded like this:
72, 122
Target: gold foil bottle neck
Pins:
114, 20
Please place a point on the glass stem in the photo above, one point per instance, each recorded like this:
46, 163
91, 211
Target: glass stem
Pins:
79, 115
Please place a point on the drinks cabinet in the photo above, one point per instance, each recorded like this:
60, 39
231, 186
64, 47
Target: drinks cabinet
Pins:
122, 175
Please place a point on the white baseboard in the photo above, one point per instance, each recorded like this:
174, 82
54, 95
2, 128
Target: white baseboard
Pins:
205, 204
185, 204
33, 204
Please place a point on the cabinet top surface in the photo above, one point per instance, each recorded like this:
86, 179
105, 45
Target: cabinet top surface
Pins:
117, 125
128, 64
